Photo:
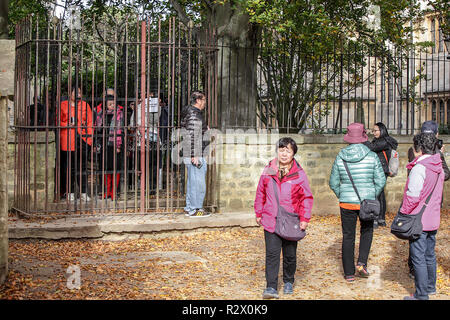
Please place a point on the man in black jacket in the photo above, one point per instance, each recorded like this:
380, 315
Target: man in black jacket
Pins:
192, 120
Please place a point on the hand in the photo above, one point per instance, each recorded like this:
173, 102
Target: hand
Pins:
194, 161
443, 149
303, 225
118, 150
258, 220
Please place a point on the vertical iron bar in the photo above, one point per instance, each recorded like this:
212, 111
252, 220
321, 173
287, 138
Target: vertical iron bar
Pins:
142, 124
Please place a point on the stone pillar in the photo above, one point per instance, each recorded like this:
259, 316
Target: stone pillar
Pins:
7, 50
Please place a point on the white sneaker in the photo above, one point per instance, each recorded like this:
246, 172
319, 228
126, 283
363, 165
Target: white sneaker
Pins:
71, 196
85, 197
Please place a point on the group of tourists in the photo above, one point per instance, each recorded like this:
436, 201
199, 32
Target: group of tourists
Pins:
101, 131
284, 202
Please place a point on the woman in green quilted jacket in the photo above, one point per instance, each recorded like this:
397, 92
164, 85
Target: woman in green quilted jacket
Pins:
369, 178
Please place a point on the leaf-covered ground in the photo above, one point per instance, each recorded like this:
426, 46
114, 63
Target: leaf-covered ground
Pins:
216, 264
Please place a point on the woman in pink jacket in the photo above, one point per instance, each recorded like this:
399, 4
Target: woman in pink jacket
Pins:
294, 195
426, 174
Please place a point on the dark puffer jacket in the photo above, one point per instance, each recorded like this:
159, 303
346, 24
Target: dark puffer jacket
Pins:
379, 145
193, 121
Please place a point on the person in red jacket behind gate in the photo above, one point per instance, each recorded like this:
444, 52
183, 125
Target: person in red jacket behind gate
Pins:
295, 196
76, 123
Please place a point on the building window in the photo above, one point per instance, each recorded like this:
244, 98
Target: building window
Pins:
433, 110
441, 112
448, 112
433, 35
441, 39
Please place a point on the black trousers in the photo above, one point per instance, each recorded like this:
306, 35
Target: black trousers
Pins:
348, 220
274, 246
75, 171
382, 215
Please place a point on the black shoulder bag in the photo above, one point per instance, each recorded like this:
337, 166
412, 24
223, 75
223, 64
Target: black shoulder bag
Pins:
369, 209
409, 226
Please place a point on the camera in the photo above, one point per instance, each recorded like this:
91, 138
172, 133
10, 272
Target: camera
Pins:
439, 144
198, 165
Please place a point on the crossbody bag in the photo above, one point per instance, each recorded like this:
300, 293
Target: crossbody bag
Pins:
369, 209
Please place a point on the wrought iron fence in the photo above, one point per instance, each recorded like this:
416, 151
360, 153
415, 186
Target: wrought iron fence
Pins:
147, 67
80, 139
295, 92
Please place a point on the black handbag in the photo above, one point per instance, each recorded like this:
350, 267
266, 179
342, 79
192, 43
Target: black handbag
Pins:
409, 226
369, 209
287, 224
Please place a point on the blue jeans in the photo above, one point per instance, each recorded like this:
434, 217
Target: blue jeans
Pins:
196, 185
423, 258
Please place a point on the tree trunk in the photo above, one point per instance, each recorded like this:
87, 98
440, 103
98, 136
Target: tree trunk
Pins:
4, 19
236, 67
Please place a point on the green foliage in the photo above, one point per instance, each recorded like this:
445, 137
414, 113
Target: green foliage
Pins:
20, 9
298, 40
302, 38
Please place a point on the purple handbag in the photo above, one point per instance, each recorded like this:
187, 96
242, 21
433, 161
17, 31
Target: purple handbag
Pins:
287, 223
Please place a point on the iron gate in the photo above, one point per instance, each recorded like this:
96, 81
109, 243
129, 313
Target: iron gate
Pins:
80, 142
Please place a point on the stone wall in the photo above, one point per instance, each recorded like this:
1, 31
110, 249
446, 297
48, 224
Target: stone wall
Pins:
37, 141
7, 58
240, 160
243, 158
3, 190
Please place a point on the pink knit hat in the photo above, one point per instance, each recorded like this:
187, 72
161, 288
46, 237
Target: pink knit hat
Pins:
355, 133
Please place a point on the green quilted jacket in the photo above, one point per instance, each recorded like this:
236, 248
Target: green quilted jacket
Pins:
366, 170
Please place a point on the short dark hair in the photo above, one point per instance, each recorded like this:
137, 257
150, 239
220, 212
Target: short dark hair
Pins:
284, 142
425, 142
195, 96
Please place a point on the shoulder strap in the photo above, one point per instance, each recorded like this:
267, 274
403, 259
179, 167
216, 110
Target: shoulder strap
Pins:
385, 156
427, 200
431, 193
351, 179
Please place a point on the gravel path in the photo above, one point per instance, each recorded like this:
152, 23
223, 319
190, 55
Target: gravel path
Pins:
216, 264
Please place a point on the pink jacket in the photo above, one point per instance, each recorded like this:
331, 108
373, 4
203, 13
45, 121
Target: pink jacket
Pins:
293, 190
420, 183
